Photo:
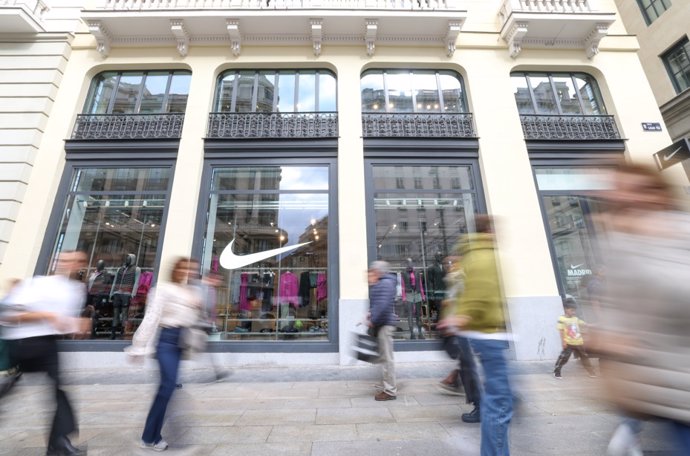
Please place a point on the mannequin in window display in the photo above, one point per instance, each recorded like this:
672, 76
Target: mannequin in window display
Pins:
413, 296
436, 285
123, 290
98, 286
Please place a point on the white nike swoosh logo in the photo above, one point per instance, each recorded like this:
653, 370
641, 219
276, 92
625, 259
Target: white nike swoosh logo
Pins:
576, 266
229, 260
670, 156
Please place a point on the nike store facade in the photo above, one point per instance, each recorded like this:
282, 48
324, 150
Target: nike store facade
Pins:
286, 155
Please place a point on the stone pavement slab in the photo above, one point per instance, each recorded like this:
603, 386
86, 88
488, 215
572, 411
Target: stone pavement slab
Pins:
293, 411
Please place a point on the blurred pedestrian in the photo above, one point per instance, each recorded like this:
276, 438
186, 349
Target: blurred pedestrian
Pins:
39, 312
382, 289
9, 374
570, 329
644, 339
465, 377
172, 306
480, 317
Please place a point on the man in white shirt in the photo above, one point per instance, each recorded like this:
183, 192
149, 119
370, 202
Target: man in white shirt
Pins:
40, 311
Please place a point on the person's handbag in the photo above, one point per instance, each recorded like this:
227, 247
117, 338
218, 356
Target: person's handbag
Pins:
366, 347
193, 339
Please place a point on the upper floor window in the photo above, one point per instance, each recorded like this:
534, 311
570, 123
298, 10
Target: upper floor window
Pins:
557, 94
138, 92
276, 91
677, 61
651, 9
412, 91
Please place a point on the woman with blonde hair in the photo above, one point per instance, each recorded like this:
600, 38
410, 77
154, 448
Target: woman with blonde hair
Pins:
171, 307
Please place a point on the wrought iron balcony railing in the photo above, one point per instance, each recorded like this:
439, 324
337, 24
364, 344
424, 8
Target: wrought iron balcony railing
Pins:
298, 125
569, 128
433, 125
128, 126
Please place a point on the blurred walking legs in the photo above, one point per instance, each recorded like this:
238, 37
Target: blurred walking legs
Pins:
39, 354
168, 354
497, 397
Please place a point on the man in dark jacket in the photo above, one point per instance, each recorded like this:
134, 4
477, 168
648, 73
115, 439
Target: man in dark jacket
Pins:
382, 286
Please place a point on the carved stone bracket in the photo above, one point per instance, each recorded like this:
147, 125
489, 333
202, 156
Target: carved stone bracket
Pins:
181, 35
316, 34
103, 40
233, 26
515, 36
452, 36
372, 26
594, 38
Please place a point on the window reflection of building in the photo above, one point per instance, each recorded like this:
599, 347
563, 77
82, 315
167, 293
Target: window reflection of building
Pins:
285, 91
261, 208
422, 220
557, 94
111, 213
418, 91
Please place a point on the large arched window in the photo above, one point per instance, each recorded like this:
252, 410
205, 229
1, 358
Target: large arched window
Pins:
276, 91
558, 94
138, 92
412, 91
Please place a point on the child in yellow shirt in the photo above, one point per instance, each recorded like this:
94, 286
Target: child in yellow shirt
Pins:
569, 327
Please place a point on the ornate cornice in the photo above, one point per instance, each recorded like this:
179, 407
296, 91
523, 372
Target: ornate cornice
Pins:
452, 36
233, 26
593, 39
371, 28
184, 31
181, 36
316, 34
103, 40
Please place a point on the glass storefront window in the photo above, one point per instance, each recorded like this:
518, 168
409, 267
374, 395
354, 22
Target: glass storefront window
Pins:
255, 210
420, 213
137, 92
285, 91
115, 216
418, 91
571, 210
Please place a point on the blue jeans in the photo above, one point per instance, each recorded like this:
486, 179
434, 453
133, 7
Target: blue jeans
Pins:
497, 398
681, 435
168, 354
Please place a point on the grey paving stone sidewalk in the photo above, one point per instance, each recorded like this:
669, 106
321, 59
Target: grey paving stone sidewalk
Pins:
316, 411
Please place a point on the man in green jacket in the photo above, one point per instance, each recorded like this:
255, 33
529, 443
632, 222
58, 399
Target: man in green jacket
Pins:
479, 314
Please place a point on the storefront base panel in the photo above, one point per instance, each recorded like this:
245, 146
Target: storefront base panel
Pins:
533, 321
117, 360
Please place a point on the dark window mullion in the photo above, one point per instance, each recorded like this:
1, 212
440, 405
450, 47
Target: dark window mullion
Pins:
140, 95
413, 91
385, 89
295, 99
235, 86
439, 90
554, 92
317, 108
579, 95
276, 88
255, 90
531, 93
113, 96
166, 95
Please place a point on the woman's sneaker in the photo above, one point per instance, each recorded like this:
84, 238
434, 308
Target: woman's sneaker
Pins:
162, 445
